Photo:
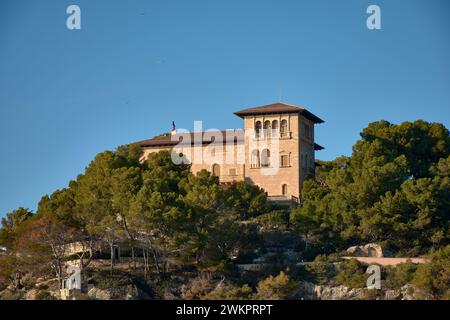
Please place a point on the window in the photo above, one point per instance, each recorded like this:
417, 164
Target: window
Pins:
307, 161
285, 160
267, 128
307, 131
284, 190
255, 163
284, 128
265, 158
232, 172
216, 170
274, 128
257, 128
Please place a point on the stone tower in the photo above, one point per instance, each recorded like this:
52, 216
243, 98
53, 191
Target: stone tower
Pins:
279, 142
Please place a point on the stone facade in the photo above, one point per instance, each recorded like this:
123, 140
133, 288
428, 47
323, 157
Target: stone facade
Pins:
275, 150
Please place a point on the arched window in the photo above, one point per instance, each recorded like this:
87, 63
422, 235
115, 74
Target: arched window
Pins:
284, 190
284, 128
274, 128
265, 158
267, 128
216, 170
257, 128
255, 163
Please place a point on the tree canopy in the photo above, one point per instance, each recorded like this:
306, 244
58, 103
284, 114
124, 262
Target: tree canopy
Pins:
394, 189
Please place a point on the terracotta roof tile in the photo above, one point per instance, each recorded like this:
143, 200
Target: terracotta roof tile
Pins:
318, 147
172, 140
279, 108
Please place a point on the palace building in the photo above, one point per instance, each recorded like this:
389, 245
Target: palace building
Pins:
275, 150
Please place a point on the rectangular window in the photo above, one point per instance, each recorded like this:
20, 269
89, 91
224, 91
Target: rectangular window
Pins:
232, 172
285, 161
307, 131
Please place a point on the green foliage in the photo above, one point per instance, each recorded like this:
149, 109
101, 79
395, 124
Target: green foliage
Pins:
197, 288
125, 184
61, 205
210, 232
281, 287
156, 205
230, 292
246, 199
11, 224
99, 185
275, 220
422, 143
400, 275
395, 187
433, 279
321, 271
8, 267
104, 280
351, 273
185, 213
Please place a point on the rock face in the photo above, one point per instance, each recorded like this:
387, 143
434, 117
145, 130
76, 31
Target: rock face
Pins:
408, 292
99, 294
31, 295
393, 295
369, 250
130, 292
310, 291
338, 293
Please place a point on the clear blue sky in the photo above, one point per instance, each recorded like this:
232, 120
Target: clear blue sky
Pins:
137, 65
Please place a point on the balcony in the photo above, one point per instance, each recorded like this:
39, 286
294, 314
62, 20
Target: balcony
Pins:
286, 135
272, 134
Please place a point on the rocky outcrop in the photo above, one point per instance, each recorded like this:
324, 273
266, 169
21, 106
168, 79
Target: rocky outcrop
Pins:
408, 292
130, 292
99, 294
32, 294
368, 250
338, 293
310, 291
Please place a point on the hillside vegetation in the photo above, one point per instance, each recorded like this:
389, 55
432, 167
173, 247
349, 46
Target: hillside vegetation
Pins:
186, 236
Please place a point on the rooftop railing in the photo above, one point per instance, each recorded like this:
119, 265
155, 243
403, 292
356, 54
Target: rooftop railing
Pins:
265, 134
